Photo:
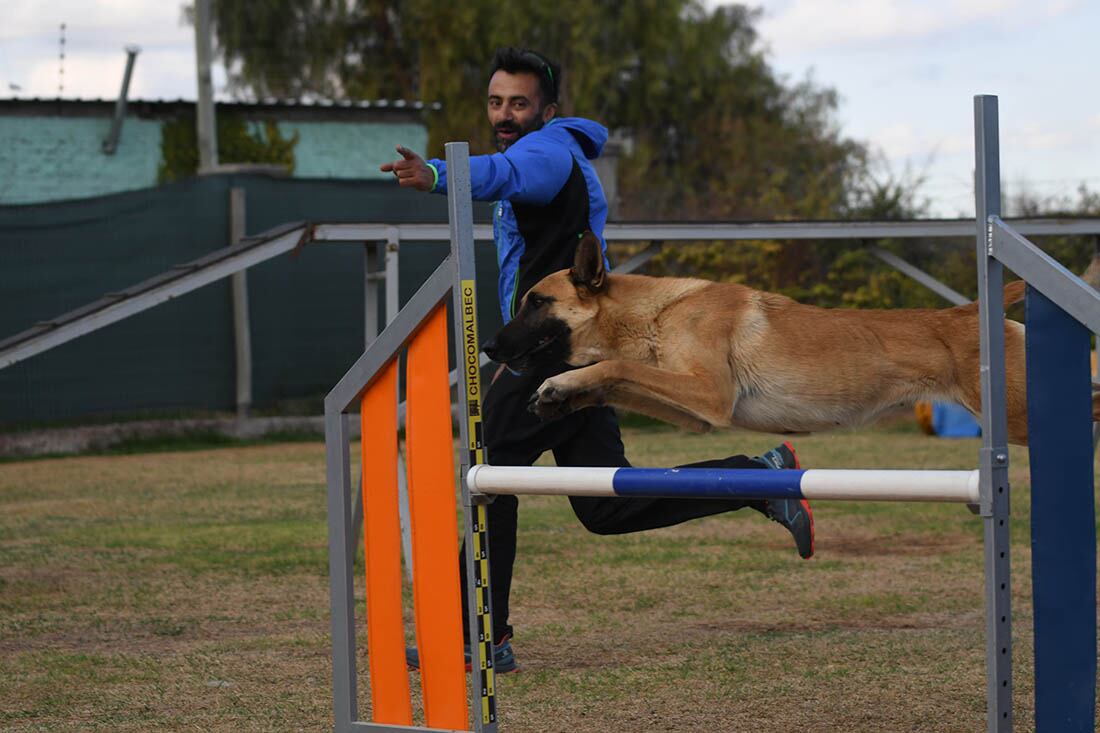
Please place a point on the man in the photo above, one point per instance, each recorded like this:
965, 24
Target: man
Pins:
547, 193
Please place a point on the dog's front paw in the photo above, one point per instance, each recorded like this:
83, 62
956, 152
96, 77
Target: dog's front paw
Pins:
550, 401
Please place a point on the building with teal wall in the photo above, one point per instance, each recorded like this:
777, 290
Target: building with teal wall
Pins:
52, 150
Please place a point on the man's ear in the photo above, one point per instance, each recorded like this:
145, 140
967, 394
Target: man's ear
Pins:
588, 270
549, 112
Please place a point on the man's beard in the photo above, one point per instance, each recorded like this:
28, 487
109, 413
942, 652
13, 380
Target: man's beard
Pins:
504, 144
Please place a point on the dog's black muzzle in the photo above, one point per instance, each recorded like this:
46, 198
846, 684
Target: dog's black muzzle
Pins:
548, 345
492, 350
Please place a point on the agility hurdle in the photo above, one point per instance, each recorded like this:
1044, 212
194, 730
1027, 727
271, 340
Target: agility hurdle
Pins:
729, 483
1064, 554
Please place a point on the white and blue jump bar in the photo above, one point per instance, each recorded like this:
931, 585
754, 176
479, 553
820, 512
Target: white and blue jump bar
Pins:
729, 483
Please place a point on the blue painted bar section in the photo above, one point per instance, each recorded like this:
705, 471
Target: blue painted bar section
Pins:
726, 483
1063, 521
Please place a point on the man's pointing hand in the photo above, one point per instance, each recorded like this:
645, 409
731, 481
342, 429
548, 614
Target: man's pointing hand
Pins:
411, 171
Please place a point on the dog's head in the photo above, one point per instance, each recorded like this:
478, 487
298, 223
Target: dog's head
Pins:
556, 320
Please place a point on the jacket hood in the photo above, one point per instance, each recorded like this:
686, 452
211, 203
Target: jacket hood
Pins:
590, 135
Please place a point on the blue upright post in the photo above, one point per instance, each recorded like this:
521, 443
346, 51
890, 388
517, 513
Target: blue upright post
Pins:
1063, 525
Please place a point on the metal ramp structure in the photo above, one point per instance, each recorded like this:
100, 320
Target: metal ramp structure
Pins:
179, 280
187, 277
253, 250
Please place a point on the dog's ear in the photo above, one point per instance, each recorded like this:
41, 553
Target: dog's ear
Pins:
588, 269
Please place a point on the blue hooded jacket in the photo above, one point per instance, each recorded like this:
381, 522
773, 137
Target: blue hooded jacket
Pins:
547, 194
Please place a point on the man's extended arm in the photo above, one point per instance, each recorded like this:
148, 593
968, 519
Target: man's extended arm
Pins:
533, 171
411, 171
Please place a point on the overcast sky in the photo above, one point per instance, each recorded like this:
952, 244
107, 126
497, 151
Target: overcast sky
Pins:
906, 72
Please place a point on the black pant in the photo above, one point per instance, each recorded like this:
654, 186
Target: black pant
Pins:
589, 437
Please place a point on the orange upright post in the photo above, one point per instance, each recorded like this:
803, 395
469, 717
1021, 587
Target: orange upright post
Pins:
433, 512
390, 699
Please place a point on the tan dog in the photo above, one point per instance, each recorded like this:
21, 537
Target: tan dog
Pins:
701, 354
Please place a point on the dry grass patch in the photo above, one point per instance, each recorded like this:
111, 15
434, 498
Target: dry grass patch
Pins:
188, 591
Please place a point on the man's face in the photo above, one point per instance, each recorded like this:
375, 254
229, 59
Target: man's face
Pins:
515, 107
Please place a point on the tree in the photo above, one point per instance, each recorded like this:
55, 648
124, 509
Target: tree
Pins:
714, 132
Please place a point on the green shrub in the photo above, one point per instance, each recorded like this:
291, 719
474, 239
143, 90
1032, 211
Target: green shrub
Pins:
239, 141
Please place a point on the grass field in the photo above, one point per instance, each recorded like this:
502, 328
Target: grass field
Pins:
187, 590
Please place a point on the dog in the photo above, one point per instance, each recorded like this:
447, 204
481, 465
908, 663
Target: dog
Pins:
705, 355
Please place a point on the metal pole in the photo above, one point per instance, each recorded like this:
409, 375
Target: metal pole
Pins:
919, 275
242, 329
370, 333
111, 143
370, 293
993, 463
207, 132
1096, 350
393, 251
341, 586
387, 263
471, 449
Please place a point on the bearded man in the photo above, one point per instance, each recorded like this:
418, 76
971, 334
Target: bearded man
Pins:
546, 193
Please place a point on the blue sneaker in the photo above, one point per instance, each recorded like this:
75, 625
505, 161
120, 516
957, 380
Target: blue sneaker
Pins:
504, 659
794, 514
781, 456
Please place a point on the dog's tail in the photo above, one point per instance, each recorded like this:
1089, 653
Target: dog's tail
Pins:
1014, 293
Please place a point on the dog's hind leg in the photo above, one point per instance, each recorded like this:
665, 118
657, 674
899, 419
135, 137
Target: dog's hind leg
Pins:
967, 390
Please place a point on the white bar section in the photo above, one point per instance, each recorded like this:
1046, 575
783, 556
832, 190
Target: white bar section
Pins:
549, 480
890, 485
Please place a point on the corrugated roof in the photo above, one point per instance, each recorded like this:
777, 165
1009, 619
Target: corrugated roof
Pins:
263, 102
268, 107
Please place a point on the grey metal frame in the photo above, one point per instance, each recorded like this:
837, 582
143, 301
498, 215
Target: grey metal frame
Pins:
658, 234
680, 231
342, 525
342, 535
993, 456
998, 245
1044, 273
380, 264
253, 250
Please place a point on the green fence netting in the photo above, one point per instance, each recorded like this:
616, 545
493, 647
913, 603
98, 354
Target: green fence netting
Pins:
306, 311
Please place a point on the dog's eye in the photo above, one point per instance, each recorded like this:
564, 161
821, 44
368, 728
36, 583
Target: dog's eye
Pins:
535, 301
